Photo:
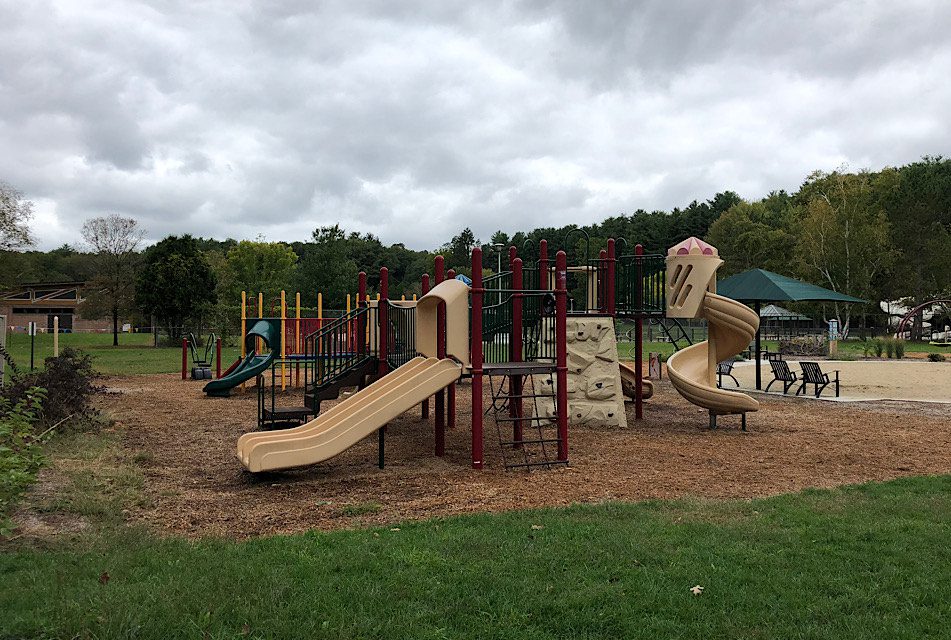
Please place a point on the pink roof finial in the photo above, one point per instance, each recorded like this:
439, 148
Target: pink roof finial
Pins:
693, 247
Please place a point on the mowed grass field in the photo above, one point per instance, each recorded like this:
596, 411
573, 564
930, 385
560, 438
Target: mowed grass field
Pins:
869, 561
134, 355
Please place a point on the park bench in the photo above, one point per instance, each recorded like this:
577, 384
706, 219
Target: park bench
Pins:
812, 374
725, 368
782, 374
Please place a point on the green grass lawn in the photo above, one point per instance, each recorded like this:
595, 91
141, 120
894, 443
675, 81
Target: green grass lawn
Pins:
134, 355
869, 561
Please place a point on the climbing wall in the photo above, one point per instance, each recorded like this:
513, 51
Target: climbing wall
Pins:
594, 380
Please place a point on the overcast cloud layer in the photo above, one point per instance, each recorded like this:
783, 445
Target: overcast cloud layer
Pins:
412, 120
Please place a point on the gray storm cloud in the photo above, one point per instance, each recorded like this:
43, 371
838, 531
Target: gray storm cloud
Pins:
413, 120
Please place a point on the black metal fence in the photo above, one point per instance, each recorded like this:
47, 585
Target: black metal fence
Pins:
649, 271
401, 334
339, 346
538, 325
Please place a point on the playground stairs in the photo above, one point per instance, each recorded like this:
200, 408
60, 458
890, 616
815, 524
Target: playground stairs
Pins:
676, 334
528, 433
358, 375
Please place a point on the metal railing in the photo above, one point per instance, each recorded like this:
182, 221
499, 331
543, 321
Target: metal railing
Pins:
639, 284
538, 313
401, 341
339, 347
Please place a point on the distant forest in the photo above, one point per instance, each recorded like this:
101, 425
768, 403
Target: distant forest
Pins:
882, 235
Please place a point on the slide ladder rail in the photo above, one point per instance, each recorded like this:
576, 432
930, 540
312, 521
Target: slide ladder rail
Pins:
339, 347
401, 345
648, 271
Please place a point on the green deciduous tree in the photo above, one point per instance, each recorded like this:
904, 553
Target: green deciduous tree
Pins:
844, 239
175, 284
15, 214
113, 240
755, 235
326, 267
251, 266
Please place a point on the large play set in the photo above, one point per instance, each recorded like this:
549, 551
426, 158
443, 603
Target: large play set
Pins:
537, 341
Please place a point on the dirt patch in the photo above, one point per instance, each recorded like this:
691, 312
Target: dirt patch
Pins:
184, 444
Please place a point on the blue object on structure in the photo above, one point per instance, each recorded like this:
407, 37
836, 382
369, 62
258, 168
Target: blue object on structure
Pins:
464, 279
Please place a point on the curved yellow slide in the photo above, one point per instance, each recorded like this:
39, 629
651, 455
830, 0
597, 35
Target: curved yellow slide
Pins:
691, 293
629, 382
350, 420
731, 326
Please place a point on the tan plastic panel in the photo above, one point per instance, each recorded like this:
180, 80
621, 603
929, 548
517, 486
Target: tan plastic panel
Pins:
349, 421
629, 382
733, 324
455, 294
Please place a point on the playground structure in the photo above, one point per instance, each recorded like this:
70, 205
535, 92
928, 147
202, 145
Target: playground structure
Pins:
691, 293
940, 339
514, 329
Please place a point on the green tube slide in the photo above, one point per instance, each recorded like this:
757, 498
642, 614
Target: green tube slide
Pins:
269, 331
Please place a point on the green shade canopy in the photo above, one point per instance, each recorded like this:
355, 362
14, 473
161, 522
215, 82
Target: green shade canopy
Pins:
759, 285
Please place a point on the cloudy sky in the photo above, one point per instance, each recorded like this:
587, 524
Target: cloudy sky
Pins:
414, 119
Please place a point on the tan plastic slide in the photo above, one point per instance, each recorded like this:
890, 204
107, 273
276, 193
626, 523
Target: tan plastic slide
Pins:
731, 326
629, 382
349, 421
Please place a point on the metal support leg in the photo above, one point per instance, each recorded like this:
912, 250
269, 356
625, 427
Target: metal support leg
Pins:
713, 420
381, 444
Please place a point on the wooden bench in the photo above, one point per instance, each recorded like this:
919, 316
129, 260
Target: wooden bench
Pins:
725, 368
782, 374
812, 374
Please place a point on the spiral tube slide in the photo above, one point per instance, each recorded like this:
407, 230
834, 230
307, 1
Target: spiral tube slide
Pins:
692, 372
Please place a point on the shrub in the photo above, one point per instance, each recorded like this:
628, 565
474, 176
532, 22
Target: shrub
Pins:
899, 348
21, 454
889, 347
936, 357
879, 344
68, 380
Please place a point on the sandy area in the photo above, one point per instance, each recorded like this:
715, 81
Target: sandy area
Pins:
869, 379
185, 446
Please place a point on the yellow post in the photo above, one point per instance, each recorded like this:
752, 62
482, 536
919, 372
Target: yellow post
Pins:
260, 315
244, 320
283, 340
414, 297
320, 320
403, 297
348, 304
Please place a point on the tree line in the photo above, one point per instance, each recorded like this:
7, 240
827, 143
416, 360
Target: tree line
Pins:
882, 235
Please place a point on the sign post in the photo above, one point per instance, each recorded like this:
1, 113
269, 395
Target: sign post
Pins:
833, 337
31, 327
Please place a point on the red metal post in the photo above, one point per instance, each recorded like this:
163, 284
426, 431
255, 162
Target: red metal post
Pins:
639, 332
602, 281
440, 353
612, 275
515, 382
424, 288
512, 253
475, 357
543, 274
184, 357
381, 313
451, 389
561, 358
218, 358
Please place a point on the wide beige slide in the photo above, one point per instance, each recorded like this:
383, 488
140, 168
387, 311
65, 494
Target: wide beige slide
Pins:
731, 325
629, 382
350, 420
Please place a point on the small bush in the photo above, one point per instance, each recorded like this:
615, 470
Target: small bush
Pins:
69, 383
936, 357
878, 345
899, 348
868, 347
21, 454
889, 344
